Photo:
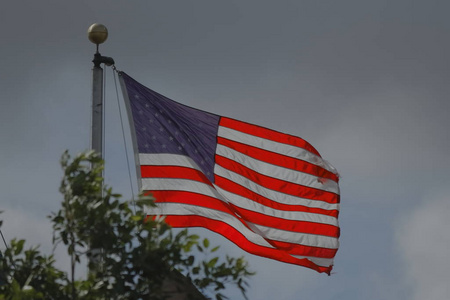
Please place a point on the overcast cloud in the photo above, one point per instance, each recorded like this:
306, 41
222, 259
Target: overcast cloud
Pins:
365, 82
423, 241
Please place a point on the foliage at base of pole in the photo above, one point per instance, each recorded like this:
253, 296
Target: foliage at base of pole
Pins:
129, 256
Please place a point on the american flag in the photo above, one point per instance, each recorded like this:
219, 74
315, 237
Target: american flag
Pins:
268, 192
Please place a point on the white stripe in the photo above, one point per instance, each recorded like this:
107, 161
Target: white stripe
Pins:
285, 149
323, 262
165, 159
278, 172
292, 237
271, 194
248, 204
189, 210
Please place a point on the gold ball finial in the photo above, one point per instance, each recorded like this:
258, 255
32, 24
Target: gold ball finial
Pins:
97, 33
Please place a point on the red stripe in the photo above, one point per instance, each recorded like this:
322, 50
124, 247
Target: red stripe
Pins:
286, 224
302, 250
278, 159
276, 184
173, 172
239, 239
267, 134
235, 188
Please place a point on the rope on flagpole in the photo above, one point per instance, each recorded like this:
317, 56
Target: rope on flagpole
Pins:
124, 139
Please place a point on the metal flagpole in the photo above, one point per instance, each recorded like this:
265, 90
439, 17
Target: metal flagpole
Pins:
97, 34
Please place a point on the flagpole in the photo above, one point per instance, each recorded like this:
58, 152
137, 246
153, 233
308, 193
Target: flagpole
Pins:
97, 34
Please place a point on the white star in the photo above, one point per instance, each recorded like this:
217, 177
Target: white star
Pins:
136, 96
163, 145
171, 138
161, 129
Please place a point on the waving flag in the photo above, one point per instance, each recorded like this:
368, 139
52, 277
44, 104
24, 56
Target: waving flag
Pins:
268, 192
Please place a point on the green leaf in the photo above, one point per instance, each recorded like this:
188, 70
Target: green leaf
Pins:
206, 243
213, 262
191, 260
194, 237
136, 218
19, 247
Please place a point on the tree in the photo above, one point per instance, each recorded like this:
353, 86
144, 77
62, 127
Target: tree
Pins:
129, 255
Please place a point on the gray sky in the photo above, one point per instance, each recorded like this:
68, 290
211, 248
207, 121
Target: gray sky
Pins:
365, 82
